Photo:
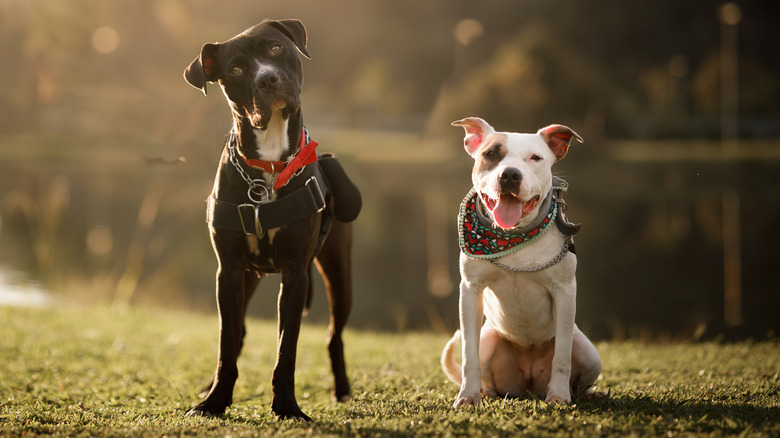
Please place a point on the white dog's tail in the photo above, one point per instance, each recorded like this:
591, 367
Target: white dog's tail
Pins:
448, 364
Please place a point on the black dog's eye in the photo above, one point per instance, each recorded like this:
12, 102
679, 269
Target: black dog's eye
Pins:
535, 157
276, 48
236, 70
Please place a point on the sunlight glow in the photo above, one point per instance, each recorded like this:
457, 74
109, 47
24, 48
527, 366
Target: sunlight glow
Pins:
105, 40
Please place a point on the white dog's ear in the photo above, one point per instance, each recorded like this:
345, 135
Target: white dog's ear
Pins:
558, 138
476, 130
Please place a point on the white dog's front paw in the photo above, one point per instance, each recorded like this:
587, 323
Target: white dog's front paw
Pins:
465, 399
555, 399
558, 395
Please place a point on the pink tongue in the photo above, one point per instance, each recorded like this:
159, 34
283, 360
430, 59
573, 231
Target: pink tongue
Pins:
508, 211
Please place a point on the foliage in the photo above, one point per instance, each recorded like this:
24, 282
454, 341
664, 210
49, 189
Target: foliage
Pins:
383, 64
71, 371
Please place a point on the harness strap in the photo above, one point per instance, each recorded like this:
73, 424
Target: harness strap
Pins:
255, 220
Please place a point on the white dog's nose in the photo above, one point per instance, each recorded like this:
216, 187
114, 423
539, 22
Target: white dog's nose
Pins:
510, 179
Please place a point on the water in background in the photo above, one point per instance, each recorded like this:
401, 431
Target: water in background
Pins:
651, 253
18, 291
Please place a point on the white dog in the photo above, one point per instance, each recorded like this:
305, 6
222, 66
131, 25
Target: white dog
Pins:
517, 269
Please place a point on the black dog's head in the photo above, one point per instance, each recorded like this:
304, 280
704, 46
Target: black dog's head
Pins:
258, 69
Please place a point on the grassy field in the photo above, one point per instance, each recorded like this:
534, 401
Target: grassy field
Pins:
77, 371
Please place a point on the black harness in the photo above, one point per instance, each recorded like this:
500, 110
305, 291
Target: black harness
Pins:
256, 219
329, 191
261, 214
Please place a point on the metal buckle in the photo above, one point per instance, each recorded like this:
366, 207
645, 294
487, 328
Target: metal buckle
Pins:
258, 226
318, 190
258, 231
256, 195
558, 195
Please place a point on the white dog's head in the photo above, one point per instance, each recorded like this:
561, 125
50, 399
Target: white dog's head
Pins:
513, 172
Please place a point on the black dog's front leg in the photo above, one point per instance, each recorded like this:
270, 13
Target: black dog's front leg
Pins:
292, 297
231, 302
251, 280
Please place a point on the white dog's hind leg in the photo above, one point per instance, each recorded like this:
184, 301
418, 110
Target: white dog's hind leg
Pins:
585, 366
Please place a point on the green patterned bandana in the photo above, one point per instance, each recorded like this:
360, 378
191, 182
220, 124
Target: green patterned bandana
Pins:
479, 240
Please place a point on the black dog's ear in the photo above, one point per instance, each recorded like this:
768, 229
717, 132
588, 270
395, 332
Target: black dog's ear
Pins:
204, 68
295, 30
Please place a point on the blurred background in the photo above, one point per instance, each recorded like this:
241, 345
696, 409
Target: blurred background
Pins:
107, 155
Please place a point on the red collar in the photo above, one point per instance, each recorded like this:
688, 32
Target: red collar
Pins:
306, 154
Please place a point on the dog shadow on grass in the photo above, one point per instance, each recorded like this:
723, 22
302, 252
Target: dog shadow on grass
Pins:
720, 415
615, 412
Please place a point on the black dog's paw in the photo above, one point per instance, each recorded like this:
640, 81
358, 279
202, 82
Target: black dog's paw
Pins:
290, 411
201, 410
195, 412
299, 416
341, 396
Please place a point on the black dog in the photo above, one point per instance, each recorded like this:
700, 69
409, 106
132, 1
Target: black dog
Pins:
275, 207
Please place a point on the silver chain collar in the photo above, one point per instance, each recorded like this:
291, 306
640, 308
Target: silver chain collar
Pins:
566, 245
259, 190
567, 242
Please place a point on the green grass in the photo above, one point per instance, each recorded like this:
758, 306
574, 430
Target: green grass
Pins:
93, 371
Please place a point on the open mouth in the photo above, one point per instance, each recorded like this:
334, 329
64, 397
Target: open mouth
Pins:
278, 104
508, 210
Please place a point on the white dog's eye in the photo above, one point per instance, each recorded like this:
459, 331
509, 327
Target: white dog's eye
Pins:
535, 157
492, 153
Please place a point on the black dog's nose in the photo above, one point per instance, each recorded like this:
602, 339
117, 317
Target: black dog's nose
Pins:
510, 179
267, 79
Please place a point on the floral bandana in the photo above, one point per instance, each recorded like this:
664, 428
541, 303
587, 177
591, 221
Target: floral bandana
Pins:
480, 241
